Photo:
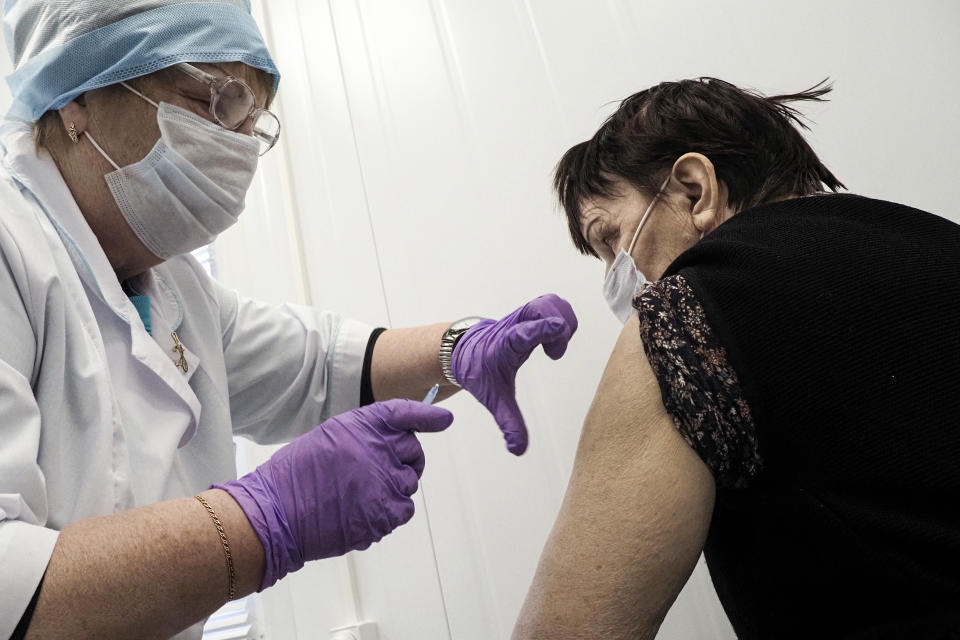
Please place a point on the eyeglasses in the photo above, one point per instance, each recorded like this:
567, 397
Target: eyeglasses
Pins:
232, 103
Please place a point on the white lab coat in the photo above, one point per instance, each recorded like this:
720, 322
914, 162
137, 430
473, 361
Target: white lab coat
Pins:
95, 418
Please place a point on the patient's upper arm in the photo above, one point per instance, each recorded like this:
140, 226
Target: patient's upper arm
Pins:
638, 505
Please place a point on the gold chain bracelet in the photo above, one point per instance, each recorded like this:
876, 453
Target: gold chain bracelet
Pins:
231, 572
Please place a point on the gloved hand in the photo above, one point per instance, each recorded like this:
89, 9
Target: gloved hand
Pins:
342, 486
487, 357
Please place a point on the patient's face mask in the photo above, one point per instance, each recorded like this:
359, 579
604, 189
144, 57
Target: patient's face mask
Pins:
191, 187
624, 280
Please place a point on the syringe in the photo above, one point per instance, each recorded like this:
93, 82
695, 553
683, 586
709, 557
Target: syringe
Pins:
432, 394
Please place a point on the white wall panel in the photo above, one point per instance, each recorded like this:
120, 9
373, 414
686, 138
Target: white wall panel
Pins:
458, 228
394, 582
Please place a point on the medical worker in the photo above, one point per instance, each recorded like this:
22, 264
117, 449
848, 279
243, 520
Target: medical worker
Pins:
125, 371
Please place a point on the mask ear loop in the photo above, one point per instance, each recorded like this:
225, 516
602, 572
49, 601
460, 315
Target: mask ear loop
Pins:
94, 142
129, 88
646, 215
102, 152
643, 221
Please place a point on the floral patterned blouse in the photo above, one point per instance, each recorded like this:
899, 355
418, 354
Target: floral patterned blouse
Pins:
700, 389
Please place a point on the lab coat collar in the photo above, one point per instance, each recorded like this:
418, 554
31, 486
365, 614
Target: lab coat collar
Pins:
38, 175
39, 179
163, 298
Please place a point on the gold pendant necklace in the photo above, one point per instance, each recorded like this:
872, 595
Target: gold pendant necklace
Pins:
178, 349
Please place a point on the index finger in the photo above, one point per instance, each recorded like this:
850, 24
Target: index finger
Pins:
409, 415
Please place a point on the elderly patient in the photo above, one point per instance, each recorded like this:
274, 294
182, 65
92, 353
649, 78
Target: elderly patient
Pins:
784, 395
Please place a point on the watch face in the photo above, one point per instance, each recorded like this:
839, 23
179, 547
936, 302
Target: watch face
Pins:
463, 325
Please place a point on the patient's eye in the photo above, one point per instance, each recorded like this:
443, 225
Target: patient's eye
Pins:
605, 237
612, 240
595, 235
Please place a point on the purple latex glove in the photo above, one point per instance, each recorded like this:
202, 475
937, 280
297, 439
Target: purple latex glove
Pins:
487, 357
342, 486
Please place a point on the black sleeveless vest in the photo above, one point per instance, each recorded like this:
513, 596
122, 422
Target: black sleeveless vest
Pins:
841, 317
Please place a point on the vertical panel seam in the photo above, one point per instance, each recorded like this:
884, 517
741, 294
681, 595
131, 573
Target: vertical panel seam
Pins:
292, 204
547, 69
373, 235
356, 150
454, 69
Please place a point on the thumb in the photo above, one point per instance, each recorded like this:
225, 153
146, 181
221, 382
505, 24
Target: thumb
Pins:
410, 415
514, 429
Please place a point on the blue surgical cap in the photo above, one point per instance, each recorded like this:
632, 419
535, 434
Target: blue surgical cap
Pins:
63, 48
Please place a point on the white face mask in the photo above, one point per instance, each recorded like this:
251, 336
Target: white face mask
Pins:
190, 187
624, 280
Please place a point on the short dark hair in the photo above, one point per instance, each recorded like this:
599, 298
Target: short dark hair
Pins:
753, 141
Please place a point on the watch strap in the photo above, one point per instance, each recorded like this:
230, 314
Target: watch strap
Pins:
449, 342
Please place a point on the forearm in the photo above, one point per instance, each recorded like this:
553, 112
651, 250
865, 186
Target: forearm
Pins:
405, 364
147, 572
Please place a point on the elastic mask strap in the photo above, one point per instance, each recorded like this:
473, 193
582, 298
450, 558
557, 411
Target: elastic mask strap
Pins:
94, 142
102, 152
128, 87
646, 215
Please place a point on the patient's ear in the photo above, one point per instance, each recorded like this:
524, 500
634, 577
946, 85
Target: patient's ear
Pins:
697, 180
